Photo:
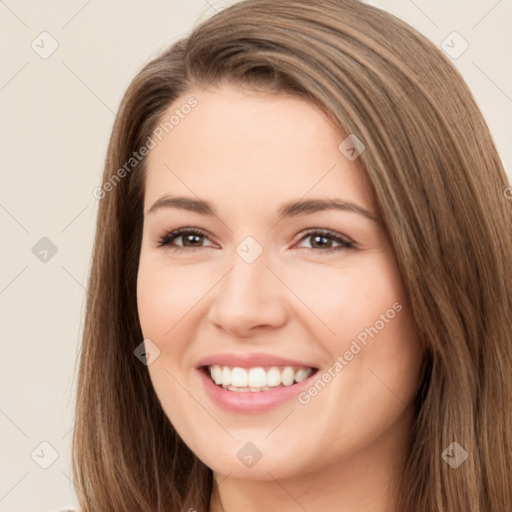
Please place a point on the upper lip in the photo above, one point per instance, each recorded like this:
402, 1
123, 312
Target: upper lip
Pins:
250, 361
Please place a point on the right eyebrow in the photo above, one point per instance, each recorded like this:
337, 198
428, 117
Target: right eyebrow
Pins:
183, 203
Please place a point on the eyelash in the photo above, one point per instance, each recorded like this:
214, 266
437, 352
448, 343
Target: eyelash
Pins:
169, 237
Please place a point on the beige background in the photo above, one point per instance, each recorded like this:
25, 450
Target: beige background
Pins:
56, 117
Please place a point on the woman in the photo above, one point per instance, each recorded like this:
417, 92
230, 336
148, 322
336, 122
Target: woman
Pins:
301, 287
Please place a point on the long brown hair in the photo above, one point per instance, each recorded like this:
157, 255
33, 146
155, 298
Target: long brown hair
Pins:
441, 192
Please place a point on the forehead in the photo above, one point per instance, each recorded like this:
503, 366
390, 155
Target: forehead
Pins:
250, 146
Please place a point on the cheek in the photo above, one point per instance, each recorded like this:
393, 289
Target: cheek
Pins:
165, 295
375, 335
390, 355
347, 300
161, 302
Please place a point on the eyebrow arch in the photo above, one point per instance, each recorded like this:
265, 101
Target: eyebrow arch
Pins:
290, 209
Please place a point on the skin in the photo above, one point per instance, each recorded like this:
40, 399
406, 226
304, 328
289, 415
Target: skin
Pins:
247, 152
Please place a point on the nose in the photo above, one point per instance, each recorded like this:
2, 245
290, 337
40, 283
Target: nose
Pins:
249, 298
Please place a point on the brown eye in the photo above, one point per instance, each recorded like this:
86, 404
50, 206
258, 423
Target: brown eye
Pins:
190, 238
324, 239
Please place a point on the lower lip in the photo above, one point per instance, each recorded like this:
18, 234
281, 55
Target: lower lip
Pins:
251, 401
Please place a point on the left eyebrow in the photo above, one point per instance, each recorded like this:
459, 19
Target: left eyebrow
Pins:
304, 207
290, 209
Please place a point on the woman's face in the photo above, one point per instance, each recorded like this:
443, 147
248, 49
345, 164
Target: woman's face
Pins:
256, 294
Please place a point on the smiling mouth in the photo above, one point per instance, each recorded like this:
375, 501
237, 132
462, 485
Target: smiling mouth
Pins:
257, 379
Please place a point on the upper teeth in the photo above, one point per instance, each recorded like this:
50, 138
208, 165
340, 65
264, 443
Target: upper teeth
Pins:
257, 378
